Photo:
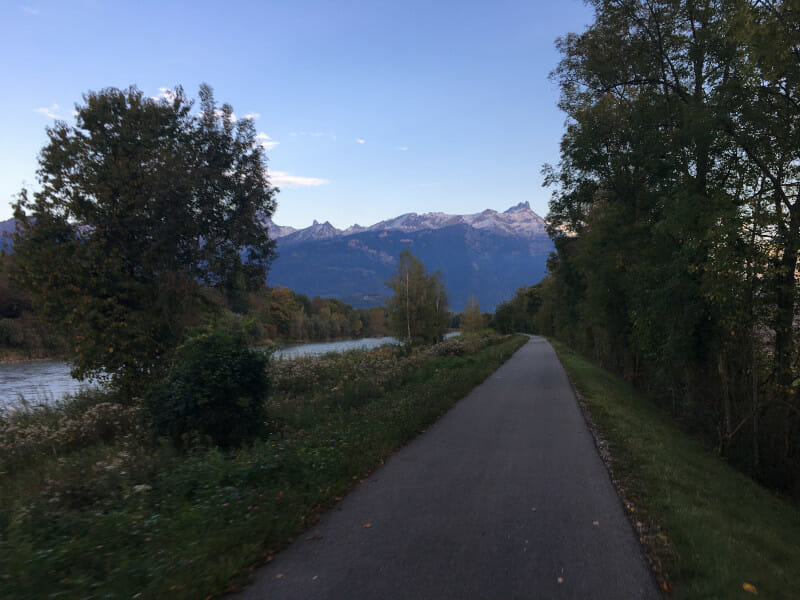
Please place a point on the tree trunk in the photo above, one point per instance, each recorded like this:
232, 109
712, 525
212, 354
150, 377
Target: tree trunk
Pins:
408, 313
785, 306
726, 405
755, 406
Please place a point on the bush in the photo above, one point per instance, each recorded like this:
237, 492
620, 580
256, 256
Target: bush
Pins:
216, 388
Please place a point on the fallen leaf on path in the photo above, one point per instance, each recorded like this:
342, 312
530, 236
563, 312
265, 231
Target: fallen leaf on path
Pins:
279, 576
596, 523
666, 587
533, 509
749, 587
366, 526
560, 580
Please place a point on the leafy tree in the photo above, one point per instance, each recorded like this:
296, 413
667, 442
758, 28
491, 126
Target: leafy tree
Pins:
141, 204
286, 314
375, 321
12, 301
471, 319
281, 307
676, 217
518, 313
418, 311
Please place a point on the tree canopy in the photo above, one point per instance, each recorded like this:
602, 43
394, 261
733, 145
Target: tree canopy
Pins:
141, 203
676, 213
418, 310
472, 319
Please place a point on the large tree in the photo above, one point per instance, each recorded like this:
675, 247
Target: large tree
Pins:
142, 204
677, 212
418, 310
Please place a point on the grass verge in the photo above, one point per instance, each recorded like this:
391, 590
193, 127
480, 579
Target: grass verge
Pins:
715, 532
90, 509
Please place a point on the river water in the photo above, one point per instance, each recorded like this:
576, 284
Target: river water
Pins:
42, 381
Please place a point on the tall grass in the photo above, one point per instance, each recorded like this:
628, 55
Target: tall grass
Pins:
90, 507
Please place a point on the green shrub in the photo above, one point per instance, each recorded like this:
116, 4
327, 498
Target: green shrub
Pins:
216, 388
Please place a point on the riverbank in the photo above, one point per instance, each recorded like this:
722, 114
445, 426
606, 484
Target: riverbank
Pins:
710, 530
13, 355
41, 381
23, 336
90, 508
29, 343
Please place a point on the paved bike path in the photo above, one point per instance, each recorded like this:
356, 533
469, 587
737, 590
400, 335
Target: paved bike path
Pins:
451, 514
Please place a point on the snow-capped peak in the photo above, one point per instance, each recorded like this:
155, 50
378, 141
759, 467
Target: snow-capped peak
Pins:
521, 206
517, 221
275, 231
317, 231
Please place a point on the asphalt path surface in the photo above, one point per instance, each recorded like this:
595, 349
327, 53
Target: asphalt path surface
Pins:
504, 497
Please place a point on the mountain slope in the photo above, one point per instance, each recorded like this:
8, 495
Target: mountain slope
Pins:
488, 254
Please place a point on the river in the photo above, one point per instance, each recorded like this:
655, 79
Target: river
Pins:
42, 381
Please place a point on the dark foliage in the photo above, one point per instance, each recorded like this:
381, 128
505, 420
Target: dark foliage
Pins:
676, 217
216, 388
142, 206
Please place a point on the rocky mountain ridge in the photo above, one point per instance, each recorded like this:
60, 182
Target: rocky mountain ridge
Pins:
517, 221
488, 254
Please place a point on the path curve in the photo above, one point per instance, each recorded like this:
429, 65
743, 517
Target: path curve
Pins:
451, 515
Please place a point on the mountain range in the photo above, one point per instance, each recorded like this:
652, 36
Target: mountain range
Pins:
488, 254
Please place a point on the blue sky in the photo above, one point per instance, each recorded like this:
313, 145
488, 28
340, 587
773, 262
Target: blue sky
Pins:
369, 109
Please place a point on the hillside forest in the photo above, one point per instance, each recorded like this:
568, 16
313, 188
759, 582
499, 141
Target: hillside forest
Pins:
676, 218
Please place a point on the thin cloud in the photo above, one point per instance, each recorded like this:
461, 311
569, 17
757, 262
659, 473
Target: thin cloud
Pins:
402, 148
360, 141
50, 112
282, 178
220, 113
31, 10
266, 142
252, 116
164, 94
